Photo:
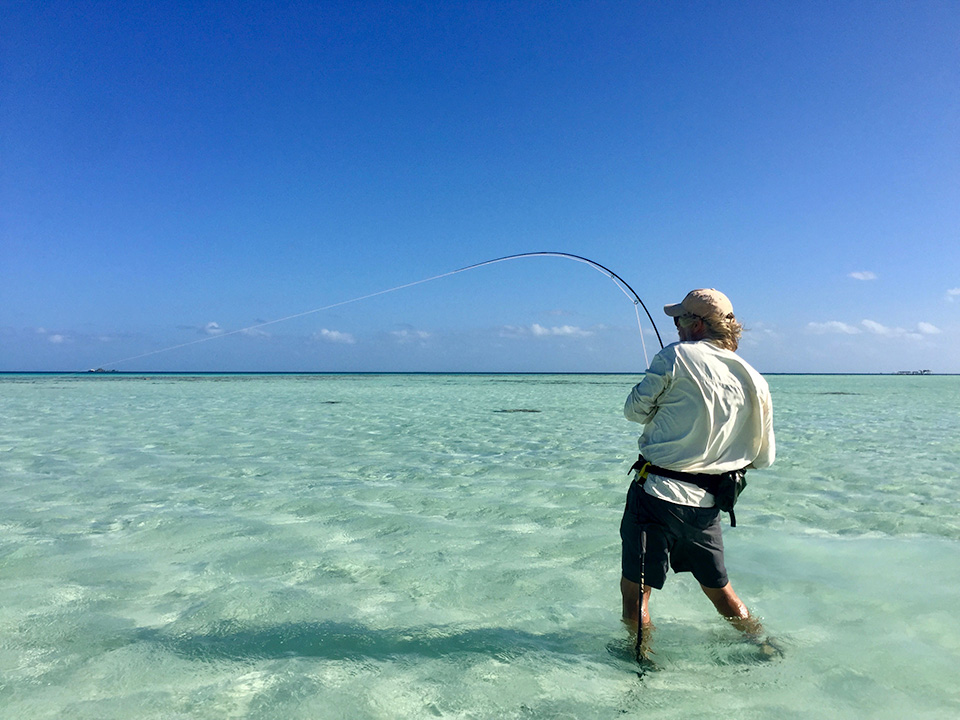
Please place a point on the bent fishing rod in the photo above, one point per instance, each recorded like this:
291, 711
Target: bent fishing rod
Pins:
618, 281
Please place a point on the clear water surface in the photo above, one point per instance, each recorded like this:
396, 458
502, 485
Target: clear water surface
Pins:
416, 546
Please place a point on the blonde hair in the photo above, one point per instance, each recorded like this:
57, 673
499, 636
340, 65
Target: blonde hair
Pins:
722, 330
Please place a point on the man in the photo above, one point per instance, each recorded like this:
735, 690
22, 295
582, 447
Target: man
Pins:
705, 412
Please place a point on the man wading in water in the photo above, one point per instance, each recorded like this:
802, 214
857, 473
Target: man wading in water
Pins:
705, 413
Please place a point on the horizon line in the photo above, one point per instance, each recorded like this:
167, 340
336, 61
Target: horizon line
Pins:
98, 373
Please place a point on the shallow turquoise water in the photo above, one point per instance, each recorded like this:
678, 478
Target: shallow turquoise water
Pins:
407, 546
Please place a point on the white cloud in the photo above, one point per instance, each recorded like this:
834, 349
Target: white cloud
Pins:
878, 329
760, 334
405, 336
563, 330
538, 330
56, 338
923, 328
953, 293
761, 327
335, 336
212, 328
833, 326
863, 275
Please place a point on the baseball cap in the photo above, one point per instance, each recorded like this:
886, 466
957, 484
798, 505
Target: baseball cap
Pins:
702, 302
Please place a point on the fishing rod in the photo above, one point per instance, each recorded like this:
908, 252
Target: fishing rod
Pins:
618, 281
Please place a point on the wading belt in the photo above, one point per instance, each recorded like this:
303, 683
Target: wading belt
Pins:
725, 487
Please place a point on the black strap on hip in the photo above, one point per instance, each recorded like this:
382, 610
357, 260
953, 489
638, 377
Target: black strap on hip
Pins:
725, 487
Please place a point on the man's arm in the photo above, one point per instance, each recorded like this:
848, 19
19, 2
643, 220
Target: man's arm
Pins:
641, 403
768, 444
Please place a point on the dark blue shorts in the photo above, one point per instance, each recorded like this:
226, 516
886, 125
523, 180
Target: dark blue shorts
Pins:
688, 539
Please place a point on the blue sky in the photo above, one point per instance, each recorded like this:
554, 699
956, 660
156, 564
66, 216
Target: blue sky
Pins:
177, 172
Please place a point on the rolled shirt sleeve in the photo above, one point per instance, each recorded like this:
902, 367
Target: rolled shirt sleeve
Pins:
641, 404
767, 452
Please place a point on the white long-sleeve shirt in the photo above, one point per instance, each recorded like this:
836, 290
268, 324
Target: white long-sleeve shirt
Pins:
704, 410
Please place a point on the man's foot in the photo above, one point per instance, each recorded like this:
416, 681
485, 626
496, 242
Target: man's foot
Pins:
767, 648
627, 651
646, 665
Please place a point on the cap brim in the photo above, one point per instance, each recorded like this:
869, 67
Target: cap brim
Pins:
675, 310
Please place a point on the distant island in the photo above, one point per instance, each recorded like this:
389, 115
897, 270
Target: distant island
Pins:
913, 372
100, 370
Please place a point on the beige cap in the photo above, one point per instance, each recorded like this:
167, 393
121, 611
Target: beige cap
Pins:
702, 302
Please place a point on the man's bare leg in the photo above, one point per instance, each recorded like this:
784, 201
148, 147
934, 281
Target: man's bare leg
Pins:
630, 592
727, 603
636, 607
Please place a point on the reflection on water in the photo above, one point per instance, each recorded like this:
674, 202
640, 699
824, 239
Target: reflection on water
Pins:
353, 641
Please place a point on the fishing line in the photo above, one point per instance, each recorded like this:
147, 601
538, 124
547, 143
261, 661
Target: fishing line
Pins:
617, 280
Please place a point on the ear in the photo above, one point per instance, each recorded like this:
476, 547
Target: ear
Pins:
699, 329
